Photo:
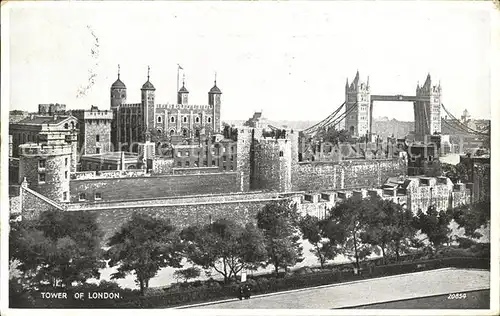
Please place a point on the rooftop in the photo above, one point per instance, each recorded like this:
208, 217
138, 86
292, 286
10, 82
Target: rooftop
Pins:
43, 119
114, 155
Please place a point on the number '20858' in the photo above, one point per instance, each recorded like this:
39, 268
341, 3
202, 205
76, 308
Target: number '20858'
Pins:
457, 296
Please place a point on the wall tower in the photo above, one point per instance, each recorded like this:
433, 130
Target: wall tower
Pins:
46, 169
118, 96
214, 99
148, 105
357, 97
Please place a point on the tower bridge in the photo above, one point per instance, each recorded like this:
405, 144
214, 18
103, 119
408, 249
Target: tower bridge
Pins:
357, 114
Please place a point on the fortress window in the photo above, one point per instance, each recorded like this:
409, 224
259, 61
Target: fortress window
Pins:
41, 177
185, 119
172, 119
184, 132
98, 150
65, 161
224, 168
65, 175
97, 196
81, 197
213, 163
179, 163
209, 119
187, 163
196, 163
65, 196
197, 119
97, 137
186, 154
159, 119
41, 163
281, 153
66, 126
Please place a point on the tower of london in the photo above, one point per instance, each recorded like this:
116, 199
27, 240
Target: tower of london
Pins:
135, 122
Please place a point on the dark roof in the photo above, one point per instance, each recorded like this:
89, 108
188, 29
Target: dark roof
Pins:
39, 120
148, 86
118, 84
215, 90
183, 89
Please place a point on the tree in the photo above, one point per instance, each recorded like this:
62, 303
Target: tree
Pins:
434, 224
143, 246
188, 273
279, 221
58, 248
224, 246
472, 217
312, 230
345, 225
389, 226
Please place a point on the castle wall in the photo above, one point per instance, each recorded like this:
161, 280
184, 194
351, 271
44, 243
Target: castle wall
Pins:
154, 186
346, 174
183, 215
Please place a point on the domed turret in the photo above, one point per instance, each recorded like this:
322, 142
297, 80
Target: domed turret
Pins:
182, 94
118, 92
148, 85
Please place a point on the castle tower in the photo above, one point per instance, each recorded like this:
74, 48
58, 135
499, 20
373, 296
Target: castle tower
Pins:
182, 94
428, 109
118, 96
358, 107
46, 169
214, 100
118, 92
148, 105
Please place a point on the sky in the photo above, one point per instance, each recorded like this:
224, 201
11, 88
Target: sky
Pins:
290, 60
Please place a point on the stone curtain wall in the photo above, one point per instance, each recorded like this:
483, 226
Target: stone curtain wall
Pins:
347, 174
162, 166
183, 215
155, 186
33, 204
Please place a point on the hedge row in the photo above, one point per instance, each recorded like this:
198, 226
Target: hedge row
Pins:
213, 291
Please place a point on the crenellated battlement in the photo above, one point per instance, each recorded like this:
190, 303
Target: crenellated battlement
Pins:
170, 106
131, 105
33, 149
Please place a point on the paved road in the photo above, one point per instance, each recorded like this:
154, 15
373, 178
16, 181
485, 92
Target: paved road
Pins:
385, 289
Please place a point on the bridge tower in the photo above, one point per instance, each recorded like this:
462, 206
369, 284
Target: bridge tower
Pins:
427, 109
358, 107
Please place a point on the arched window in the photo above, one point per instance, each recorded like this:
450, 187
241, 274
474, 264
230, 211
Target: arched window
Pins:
66, 126
197, 133
72, 125
185, 119
159, 119
172, 132
197, 119
209, 119
184, 132
172, 119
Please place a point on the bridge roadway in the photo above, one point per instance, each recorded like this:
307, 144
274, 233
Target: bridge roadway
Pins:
384, 289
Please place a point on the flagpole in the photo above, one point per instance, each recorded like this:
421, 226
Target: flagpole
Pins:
177, 84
